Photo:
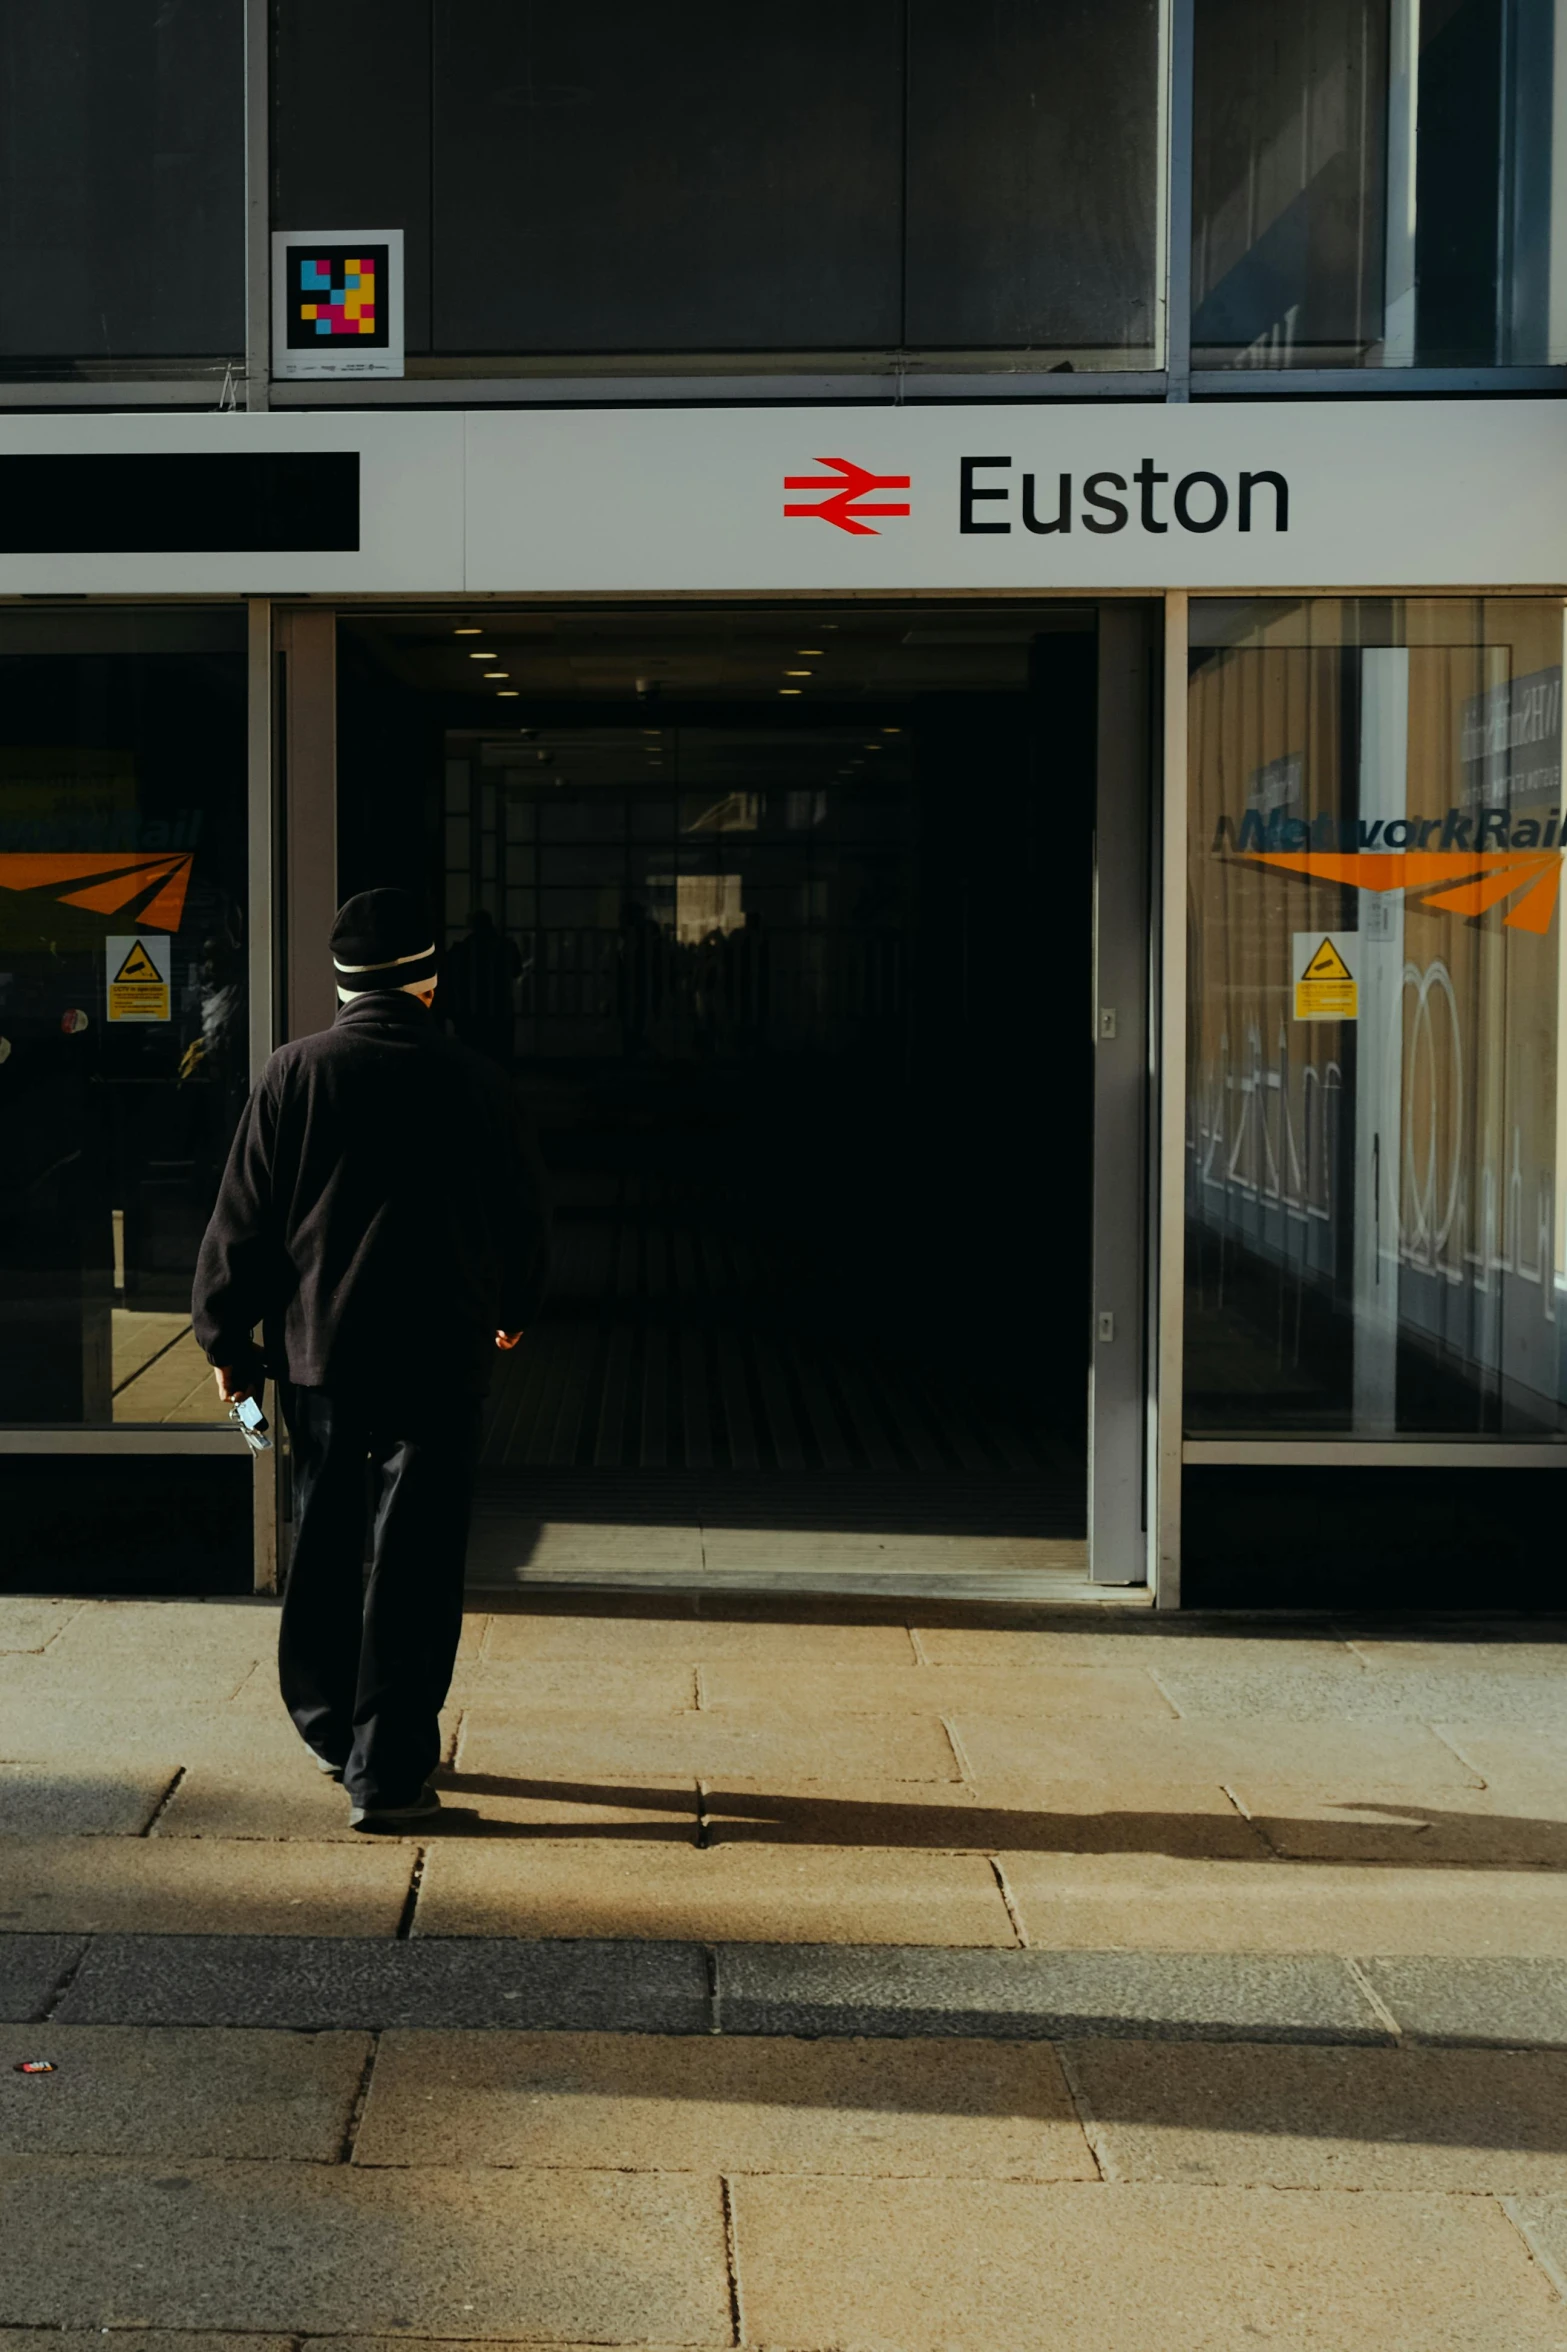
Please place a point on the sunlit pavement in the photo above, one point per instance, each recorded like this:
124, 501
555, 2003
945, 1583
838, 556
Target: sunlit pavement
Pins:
793, 1976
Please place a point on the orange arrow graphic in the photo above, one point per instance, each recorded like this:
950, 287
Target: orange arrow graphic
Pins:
1473, 879
113, 879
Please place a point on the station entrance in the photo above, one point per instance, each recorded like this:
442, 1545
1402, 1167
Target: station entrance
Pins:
783, 921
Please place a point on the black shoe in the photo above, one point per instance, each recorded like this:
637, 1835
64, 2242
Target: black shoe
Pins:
393, 1819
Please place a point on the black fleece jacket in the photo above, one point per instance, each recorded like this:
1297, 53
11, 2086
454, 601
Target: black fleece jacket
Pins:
383, 1213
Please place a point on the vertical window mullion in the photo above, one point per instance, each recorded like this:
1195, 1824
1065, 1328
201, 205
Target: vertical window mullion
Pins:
1178, 205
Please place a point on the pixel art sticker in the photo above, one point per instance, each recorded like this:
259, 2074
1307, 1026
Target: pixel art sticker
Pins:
337, 300
334, 294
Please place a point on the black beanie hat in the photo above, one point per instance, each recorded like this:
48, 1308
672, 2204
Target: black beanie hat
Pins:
382, 940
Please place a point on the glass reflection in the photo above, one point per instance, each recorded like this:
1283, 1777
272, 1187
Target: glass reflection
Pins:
123, 1022
1375, 183
1375, 1222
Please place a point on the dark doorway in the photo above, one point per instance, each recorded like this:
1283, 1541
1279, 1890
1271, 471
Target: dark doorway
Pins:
782, 919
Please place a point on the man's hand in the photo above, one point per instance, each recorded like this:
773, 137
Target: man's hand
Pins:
233, 1387
507, 1339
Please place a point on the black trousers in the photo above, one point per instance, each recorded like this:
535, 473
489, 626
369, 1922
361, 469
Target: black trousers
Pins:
365, 1669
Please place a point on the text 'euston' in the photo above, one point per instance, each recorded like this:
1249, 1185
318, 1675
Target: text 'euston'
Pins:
1199, 501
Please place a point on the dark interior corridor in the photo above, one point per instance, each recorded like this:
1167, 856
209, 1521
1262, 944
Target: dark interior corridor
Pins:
783, 922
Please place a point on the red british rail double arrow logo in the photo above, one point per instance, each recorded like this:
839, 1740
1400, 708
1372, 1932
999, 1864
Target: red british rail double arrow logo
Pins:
848, 505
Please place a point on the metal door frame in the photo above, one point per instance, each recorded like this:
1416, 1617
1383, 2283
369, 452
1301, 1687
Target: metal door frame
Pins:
293, 895
293, 820
1123, 972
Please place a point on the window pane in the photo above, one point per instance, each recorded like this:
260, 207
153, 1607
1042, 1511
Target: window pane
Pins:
364, 164
121, 179
615, 177
1289, 167
1375, 1225
1033, 162
1485, 221
123, 1022
1374, 183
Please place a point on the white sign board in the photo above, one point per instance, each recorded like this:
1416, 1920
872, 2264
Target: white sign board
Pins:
1039, 497
407, 525
337, 303
1028, 498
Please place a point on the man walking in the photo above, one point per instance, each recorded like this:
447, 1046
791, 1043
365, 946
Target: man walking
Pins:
382, 1215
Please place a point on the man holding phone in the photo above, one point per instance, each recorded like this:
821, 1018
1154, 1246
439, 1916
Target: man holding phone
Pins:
383, 1217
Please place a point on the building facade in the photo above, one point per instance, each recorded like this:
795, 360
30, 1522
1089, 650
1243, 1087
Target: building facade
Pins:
959, 615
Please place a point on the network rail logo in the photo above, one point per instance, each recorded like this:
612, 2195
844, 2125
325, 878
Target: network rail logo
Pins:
1482, 859
104, 883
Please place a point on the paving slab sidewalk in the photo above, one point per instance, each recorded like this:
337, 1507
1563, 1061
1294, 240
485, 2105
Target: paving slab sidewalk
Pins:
1008, 2267
160, 2092
609, 1886
1468, 2121
864, 1976
294, 2248
943, 2109
157, 1886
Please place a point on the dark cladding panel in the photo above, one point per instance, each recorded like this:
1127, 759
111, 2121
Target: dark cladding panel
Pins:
614, 177
154, 1525
1032, 173
121, 179
1334, 1536
351, 129
293, 502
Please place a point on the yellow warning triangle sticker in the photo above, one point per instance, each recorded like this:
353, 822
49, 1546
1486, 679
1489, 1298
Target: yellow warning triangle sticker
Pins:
139, 965
1327, 964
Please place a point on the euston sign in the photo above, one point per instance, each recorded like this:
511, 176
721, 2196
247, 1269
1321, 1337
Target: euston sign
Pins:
1201, 501
1017, 497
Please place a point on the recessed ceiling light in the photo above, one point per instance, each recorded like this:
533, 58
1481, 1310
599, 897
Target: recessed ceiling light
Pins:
791, 689
490, 656
810, 649
892, 730
797, 673
468, 632
875, 747
507, 693
497, 673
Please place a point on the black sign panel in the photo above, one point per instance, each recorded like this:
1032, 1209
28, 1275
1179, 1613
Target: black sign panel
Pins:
284, 502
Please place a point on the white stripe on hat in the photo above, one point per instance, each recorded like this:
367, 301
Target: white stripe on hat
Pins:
387, 963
